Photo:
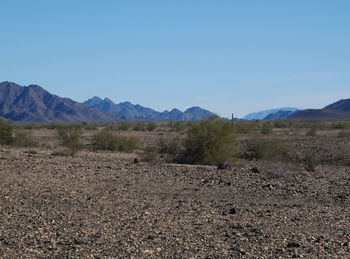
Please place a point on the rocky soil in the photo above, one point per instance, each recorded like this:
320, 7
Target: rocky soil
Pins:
98, 205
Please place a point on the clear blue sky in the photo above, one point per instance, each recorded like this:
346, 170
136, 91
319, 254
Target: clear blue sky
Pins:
227, 56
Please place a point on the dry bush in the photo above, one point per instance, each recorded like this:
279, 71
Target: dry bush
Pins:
6, 130
344, 134
210, 142
24, 139
265, 148
108, 139
69, 135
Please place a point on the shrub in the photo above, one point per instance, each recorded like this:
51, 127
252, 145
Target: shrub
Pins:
210, 142
24, 139
344, 134
312, 130
268, 149
151, 126
266, 128
70, 134
245, 127
280, 124
139, 126
128, 143
123, 126
105, 140
178, 125
6, 133
171, 146
108, 140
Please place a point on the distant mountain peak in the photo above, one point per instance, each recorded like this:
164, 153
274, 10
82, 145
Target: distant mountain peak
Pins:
136, 112
33, 104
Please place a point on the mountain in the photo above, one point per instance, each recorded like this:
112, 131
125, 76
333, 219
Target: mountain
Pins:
280, 115
127, 111
33, 104
263, 114
339, 110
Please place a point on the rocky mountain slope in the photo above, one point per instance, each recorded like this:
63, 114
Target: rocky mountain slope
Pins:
33, 104
131, 112
263, 114
339, 110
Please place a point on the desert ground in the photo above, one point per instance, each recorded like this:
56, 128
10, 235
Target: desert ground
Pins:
100, 204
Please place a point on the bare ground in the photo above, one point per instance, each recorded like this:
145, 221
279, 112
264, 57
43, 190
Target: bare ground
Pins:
98, 205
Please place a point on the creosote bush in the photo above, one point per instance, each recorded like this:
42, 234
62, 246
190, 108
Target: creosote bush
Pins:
151, 126
266, 128
210, 142
266, 148
24, 139
6, 133
108, 139
70, 134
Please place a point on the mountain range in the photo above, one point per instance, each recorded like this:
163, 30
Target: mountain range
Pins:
126, 111
263, 114
339, 110
33, 104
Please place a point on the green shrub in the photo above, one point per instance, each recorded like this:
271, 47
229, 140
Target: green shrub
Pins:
128, 143
210, 142
151, 126
344, 134
123, 126
6, 133
90, 126
312, 130
340, 125
266, 148
109, 140
280, 124
105, 140
139, 126
266, 128
244, 127
178, 125
70, 134
171, 146
24, 139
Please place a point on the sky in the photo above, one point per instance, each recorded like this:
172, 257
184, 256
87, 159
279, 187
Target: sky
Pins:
227, 56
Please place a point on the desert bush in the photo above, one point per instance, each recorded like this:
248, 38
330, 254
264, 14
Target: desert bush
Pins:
139, 126
211, 142
244, 127
308, 158
90, 126
24, 139
150, 154
171, 146
266, 148
344, 134
266, 128
69, 135
6, 130
105, 140
177, 125
128, 143
109, 140
123, 126
280, 124
340, 125
151, 126
312, 131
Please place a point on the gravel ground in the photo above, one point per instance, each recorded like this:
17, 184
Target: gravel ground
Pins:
100, 205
